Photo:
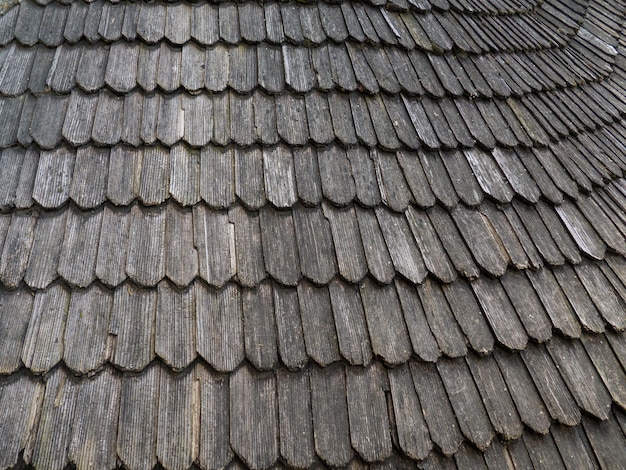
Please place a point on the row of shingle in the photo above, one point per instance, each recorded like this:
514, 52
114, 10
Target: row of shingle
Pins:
501, 7
389, 122
294, 22
123, 67
271, 325
147, 244
321, 415
284, 177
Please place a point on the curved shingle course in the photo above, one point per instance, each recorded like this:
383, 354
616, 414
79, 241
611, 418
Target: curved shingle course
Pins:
386, 233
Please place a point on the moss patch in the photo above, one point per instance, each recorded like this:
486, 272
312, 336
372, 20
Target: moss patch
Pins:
5, 5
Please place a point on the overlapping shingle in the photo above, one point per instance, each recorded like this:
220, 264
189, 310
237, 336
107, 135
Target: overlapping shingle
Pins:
307, 233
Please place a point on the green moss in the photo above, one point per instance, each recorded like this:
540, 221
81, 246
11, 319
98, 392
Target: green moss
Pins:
5, 5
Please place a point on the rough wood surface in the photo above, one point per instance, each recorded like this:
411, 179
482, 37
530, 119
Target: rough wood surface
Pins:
57, 413
330, 415
43, 346
465, 400
296, 423
94, 427
367, 409
87, 329
219, 326
438, 413
383, 314
413, 435
137, 428
175, 326
290, 336
259, 327
382, 234
254, 417
177, 416
214, 439
318, 325
19, 402
350, 321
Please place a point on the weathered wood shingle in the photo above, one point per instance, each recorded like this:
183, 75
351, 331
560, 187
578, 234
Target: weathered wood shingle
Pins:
384, 233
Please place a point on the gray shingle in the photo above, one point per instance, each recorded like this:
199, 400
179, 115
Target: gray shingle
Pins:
318, 325
469, 316
89, 179
334, 167
87, 329
292, 119
176, 399
192, 67
413, 435
248, 248
219, 316
279, 246
367, 409
552, 389
77, 263
553, 299
137, 428
132, 322
154, 179
145, 263
403, 249
581, 377
242, 129
91, 68
184, 175
107, 124
15, 313
422, 337
214, 445
466, 402
48, 117
46, 249
315, 245
441, 321
204, 23
437, 410
78, 124
174, 339
43, 346
53, 434
12, 161
181, 258
16, 250
151, 22
121, 70
330, 415
111, 21
280, 176
28, 23
254, 416
16, 69
290, 337
376, 253
352, 333
296, 425
214, 239
494, 392
251, 22
178, 23
243, 69
394, 190
388, 334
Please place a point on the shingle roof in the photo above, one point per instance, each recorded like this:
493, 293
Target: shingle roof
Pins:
296, 234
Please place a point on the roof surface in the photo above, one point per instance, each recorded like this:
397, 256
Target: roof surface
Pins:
307, 234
